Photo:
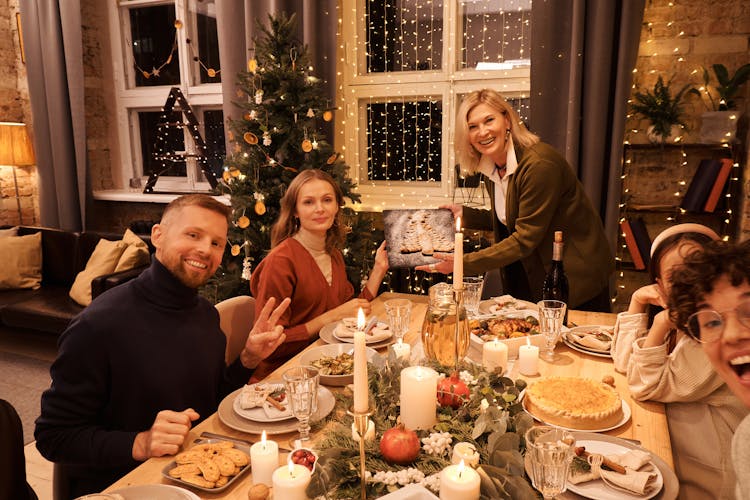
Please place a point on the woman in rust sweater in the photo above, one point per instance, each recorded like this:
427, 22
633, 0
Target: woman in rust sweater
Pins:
306, 264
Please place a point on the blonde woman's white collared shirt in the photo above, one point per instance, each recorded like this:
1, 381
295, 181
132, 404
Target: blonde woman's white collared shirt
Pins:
487, 167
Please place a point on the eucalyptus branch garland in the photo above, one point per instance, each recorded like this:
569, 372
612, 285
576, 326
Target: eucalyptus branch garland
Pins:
492, 420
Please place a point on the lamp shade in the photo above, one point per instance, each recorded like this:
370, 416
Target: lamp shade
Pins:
15, 145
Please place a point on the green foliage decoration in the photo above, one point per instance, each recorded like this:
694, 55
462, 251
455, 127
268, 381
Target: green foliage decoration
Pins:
726, 87
497, 433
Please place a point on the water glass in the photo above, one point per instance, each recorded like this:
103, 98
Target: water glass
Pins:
472, 294
399, 316
302, 390
549, 451
551, 315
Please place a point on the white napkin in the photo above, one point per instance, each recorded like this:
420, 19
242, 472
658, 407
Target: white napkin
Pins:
634, 481
273, 413
589, 340
632, 459
253, 396
347, 326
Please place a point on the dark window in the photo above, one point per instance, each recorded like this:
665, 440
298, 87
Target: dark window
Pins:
154, 46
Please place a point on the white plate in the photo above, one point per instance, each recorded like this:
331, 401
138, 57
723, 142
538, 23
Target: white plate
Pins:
410, 492
625, 417
327, 336
173, 464
265, 413
333, 350
227, 415
582, 349
597, 490
155, 492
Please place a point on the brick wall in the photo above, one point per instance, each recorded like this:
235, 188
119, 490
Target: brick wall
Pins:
21, 188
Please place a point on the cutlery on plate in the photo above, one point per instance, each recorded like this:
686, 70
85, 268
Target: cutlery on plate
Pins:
371, 324
211, 435
581, 452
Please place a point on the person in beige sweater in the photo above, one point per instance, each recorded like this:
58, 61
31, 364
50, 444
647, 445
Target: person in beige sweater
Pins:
665, 364
710, 299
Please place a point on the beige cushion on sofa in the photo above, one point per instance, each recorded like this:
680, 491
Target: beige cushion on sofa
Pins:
13, 231
22, 261
103, 260
135, 255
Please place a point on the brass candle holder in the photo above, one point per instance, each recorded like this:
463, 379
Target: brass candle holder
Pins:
361, 420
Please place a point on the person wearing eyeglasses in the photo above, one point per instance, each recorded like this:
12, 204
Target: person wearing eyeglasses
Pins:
710, 300
665, 364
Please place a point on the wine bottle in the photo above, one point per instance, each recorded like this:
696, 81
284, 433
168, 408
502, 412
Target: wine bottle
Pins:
556, 282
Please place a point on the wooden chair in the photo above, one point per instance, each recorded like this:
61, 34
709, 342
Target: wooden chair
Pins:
237, 316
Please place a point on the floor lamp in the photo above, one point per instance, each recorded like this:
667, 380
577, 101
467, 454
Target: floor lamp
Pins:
16, 150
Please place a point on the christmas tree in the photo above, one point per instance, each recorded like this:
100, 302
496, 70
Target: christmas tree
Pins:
279, 135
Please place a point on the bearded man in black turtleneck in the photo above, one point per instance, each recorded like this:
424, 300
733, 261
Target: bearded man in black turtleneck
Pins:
145, 361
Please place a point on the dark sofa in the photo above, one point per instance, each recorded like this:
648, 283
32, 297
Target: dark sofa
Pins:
64, 254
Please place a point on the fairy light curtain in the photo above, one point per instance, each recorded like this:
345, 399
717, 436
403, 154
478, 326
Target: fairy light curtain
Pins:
404, 134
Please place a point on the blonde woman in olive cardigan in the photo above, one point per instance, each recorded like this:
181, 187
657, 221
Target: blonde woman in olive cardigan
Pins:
533, 193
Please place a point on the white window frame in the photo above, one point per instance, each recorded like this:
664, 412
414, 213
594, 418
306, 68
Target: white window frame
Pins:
447, 83
129, 100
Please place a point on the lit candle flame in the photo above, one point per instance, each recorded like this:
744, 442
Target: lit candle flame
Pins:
360, 320
458, 224
263, 440
528, 340
290, 467
461, 467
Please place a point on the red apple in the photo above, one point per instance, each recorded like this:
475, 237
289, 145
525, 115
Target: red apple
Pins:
452, 391
399, 446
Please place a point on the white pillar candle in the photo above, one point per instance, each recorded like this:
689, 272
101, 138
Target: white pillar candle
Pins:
528, 359
458, 257
361, 390
418, 397
465, 452
264, 459
494, 355
459, 482
290, 482
401, 350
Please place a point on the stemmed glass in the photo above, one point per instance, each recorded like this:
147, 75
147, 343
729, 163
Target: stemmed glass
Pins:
551, 315
302, 388
549, 451
398, 312
472, 294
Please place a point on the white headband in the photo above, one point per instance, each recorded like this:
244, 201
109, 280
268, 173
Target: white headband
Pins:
689, 227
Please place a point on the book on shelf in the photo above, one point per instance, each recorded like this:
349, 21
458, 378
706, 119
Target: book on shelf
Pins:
701, 185
638, 241
718, 187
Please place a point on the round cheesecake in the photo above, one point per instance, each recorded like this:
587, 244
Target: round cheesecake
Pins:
575, 403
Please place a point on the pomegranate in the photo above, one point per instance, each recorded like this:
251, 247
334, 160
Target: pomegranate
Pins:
452, 391
399, 445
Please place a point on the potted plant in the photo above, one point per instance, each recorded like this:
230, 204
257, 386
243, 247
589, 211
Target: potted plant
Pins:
662, 109
719, 123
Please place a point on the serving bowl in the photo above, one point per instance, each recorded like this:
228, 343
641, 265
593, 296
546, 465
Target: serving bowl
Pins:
514, 343
331, 351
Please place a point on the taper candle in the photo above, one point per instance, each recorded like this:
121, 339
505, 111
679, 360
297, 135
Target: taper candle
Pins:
458, 257
361, 390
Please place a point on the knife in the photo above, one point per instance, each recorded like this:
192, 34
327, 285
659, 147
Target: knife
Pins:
211, 435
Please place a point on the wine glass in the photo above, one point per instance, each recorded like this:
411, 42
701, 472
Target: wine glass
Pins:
550, 452
398, 312
472, 294
551, 314
302, 388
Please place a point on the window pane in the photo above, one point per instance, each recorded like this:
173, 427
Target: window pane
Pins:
206, 47
404, 35
404, 140
159, 139
213, 127
154, 44
494, 32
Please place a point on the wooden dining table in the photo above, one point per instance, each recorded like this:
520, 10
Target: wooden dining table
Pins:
647, 425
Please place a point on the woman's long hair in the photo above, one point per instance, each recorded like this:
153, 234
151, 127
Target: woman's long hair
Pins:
288, 223
467, 156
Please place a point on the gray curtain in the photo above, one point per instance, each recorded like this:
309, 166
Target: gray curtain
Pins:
54, 64
583, 53
237, 26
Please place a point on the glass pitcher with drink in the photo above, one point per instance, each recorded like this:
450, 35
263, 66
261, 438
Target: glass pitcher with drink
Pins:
445, 329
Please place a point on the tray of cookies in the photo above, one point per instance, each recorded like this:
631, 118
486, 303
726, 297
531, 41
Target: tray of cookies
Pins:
210, 465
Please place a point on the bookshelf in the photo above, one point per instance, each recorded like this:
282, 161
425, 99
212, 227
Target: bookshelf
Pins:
655, 178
